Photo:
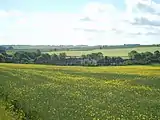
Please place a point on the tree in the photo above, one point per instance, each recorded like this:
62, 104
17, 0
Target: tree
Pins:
62, 56
2, 49
83, 56
157, 54
95, 56
10, 48
9, 59
138, 56
119, 60
24, 61
89, 62
46, 56
54, 57
32, 55
156, 57
4, 54
38, 52
132, 54
100, 55
18, 56
2, 58
40, 60
43, 58
148, 54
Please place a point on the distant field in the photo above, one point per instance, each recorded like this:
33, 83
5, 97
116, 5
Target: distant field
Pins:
123, 52
45, 92
26, 50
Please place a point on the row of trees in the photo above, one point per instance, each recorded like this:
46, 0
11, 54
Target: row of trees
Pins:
144, 57
31, 57
101, 60
92, 59
134, 58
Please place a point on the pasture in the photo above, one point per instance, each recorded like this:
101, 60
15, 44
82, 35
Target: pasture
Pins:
121, 52
113, 52
44, 92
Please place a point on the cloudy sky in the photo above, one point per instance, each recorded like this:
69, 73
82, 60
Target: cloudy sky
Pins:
79, 22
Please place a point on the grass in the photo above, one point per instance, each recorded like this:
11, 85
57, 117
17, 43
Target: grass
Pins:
26, 50
123, 52
5, 114
46, 92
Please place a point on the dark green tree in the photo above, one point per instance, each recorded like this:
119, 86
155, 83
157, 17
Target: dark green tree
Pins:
2, 49
38, 52
40, 60
132, 54
62, 56
2, 58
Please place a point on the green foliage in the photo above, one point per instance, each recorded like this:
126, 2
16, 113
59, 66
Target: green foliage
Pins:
54, 57
2, 58
95, 56
46, 56
144, 58
132, 54
40, 60
62, 56
92, 59
38, 52
2, 49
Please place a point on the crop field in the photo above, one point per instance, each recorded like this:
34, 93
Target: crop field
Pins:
4, 114
44, 92
122, 52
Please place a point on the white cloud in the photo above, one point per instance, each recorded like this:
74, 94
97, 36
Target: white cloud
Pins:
139, 6
97, 24
12, 13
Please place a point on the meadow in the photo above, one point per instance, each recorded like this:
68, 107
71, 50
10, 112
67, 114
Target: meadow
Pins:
121, 52
45, 92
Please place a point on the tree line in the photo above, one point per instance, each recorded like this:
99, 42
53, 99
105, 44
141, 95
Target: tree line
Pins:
93, 59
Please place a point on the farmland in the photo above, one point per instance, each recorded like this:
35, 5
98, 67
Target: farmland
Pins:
44, 92
4, 114
112, 51
122, 52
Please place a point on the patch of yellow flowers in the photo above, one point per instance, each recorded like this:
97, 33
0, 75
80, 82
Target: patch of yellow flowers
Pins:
45, 92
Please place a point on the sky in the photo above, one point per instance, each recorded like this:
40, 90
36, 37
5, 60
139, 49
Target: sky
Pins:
79, 22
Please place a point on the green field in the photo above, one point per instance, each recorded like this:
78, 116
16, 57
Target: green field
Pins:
6, 114
44, 92
122, 52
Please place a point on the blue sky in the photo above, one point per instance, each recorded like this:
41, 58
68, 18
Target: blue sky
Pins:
53, 5
79, 22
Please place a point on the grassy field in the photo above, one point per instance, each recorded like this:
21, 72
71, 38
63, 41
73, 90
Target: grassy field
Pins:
5, 114
82, 93
26, 50
123, 52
